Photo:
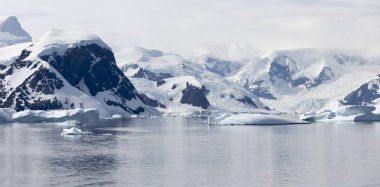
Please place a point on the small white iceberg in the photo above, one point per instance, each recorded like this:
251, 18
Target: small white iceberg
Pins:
258, 119
74, 131
117, 116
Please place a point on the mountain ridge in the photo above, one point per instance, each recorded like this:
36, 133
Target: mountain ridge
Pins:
11, 32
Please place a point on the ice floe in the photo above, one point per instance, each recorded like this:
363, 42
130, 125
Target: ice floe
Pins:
74, 131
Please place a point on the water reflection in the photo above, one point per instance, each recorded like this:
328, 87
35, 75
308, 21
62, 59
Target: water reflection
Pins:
186, 152
83, 169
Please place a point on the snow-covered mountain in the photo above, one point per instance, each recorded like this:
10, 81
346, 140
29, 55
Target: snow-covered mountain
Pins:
305, 79
64, 70
368, 93
11, 32
185, 86
218, 66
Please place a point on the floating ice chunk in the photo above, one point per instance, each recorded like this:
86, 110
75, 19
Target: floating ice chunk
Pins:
74, 131
258, 119
117, 116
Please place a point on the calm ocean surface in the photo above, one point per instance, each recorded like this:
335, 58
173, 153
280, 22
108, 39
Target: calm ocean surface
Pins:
188, 152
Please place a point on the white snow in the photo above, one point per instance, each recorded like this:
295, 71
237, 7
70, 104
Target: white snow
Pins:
147, 58
10, 53
258, 119
59, 41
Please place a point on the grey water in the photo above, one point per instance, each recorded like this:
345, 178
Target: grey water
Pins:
188, 152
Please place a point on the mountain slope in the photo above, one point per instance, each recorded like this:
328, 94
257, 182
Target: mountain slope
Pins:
368, 93
11, 32
64, 70
304, 79
186, 86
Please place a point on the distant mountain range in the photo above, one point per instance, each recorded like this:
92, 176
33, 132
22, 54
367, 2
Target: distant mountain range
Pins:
64, 70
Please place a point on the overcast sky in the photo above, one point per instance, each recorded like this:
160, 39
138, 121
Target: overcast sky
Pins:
233, 28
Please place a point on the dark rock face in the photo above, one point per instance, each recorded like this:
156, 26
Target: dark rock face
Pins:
365, 94
41, 82
119, 104
160, 82
221, 67
325, 75
151, 102
247, 100
151, 76
280, 69
146, 74
94, 65
195, 96
44, 81
260, 90
299, 81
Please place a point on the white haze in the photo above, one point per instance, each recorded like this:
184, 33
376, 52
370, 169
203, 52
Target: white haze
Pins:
229, 28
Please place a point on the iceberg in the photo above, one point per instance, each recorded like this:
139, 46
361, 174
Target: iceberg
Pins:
258, 119
117, 116
74, 131
34, 116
